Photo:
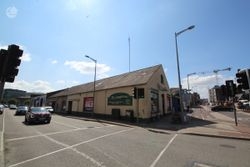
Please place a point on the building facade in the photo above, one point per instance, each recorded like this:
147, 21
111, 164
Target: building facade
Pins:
216, 95
143, 94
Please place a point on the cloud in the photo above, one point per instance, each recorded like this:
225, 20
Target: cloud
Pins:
61, 81
11, 12
89, 68
54, 62
39, 86
64, 83
202, 84
26, 55
4, 47
36, 86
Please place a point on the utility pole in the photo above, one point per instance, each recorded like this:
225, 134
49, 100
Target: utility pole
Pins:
129, 53
95, 61
1, 90
178, 68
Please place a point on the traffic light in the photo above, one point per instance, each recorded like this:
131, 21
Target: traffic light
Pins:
242, 79
3, 54
231, 88
135, 92
138, 93
11, 70
224, 91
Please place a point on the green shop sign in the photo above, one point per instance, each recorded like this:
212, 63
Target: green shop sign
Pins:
120, 99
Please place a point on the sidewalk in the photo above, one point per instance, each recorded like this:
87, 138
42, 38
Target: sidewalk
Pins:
219, 126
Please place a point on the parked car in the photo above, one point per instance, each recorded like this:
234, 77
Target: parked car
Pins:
21, 110
243, 104
1, 108
221, 108
50, 109
13, 106
37, 115
246, 105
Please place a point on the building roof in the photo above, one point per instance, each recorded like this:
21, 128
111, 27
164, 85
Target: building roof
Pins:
137, 77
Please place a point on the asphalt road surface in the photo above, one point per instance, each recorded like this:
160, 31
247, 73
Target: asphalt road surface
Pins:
67, 142
241, 116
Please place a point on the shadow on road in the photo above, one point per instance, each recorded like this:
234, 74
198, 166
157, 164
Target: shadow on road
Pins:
165, 123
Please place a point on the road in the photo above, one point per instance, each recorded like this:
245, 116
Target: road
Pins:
206, 114
67, 142
241, 116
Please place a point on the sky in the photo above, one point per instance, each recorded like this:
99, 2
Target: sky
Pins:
56, 35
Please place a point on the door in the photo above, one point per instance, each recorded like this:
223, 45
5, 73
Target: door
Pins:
69, 107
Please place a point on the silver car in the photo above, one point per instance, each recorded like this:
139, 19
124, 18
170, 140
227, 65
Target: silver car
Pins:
1, 108
21, 110
49, 108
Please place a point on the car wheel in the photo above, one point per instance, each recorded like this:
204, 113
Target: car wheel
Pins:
27, 121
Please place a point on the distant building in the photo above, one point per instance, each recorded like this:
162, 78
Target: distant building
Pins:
38, 100
189, 99
14, 96
216, 95
12, 93
20, 97
114, 96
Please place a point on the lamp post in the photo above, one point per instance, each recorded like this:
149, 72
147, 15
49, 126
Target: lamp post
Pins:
178, 66
95, 61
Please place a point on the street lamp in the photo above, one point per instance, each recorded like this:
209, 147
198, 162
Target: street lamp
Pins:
178, 67
95, 61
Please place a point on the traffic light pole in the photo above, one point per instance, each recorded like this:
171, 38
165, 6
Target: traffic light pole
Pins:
248, 80
235, 114
2, 77
1, 90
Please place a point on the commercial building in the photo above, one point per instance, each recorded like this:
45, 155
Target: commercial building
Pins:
216, 95
142, 94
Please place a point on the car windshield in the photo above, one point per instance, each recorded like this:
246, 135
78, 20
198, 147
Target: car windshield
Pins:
23, 107
38, 109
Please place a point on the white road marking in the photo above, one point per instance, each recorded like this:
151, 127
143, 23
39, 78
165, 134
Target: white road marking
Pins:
120, 164
161, 153
54, 133
196, 164
72, 147
67, 125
